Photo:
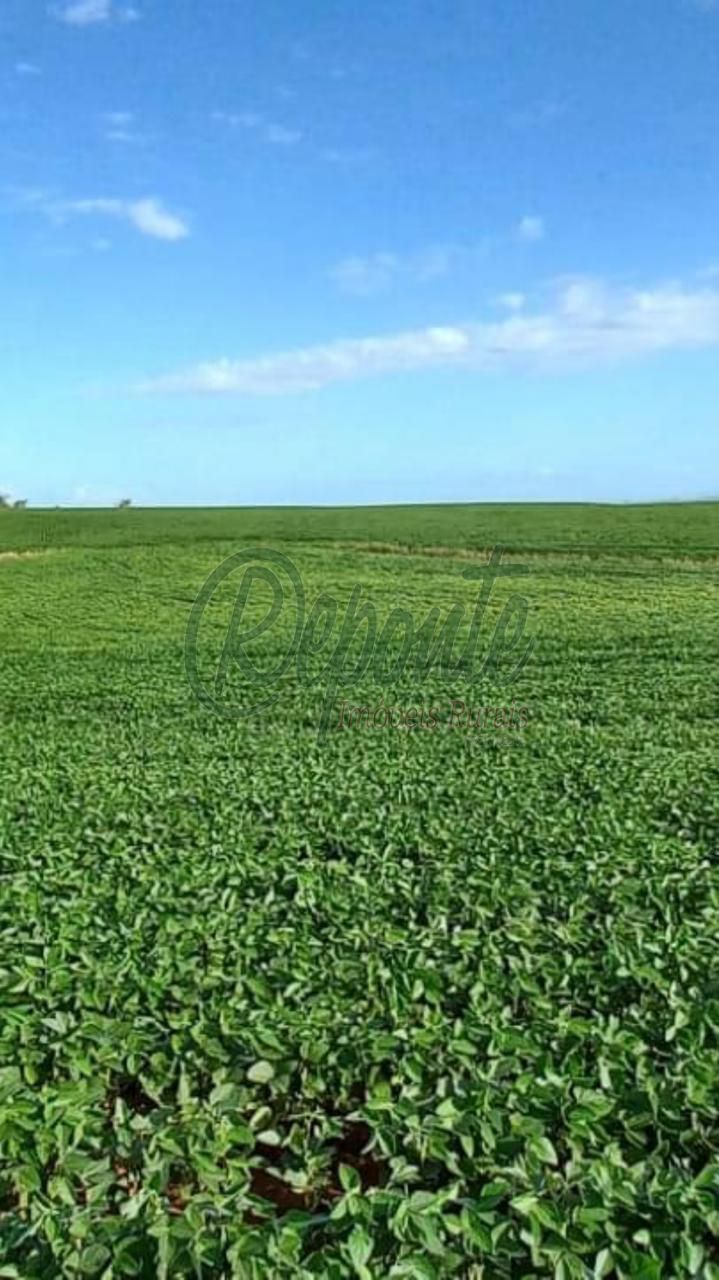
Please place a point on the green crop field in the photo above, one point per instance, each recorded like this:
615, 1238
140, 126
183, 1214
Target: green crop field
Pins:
328, 992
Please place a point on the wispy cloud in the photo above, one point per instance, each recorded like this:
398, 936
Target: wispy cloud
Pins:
374, 273
307, 369
27, 69
586, 323
365, 276
511, 301
118, 119
119, 126
149, 216
86, 13
266, 130
531, 228
349, 157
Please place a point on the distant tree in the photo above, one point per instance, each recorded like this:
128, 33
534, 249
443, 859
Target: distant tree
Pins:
124, 503
20, 504
4, 501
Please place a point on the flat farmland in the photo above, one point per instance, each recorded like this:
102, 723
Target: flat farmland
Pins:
354, 966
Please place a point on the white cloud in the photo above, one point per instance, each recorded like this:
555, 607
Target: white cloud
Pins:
531, 228
365, 276
280, 135
148, 216
436, 261
81, 13
85, 13
349, 157
27, 69
586, 323
152, 219
511, 301
309, 368
266, 130
369, 274
119, 126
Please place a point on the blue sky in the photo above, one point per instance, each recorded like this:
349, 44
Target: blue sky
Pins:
332, 252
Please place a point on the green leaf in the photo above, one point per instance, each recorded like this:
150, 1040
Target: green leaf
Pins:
261, 1072
270, 1138
603, 1264
349, 1178
360, 1247
543, 1150
94, 1258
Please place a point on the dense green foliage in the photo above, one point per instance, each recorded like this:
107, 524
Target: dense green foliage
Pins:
380, 1002
685, 528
